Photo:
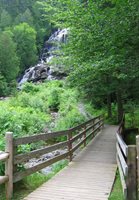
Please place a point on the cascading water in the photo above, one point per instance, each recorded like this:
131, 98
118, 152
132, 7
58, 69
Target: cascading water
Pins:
44, 69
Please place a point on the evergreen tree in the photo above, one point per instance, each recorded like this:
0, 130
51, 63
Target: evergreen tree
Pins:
25, 17
9, 62
25, 37
5, 19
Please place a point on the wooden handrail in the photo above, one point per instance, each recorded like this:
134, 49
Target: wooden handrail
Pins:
46, 136
4, 156
3, 179
24, 157
126, 161
121, 126
83, 132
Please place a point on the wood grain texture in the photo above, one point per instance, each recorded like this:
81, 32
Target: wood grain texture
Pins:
122, 145
46, 136
132, 176
122, 160
4, 156
9, 165
33, 154
3, 179
124, 187
89, 176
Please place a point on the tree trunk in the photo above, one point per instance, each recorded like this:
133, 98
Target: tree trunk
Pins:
119, 105
109, 106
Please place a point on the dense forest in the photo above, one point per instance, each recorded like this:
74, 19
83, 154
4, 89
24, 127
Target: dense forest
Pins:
100, 59
22, 33
102, 51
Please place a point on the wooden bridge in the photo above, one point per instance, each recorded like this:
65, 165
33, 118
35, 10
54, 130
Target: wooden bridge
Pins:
90, 174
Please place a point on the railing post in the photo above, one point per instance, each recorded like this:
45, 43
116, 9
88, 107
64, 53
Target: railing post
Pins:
70, 145
99, 122
131, 177
102, 117
85, 136
9, 165
137, 147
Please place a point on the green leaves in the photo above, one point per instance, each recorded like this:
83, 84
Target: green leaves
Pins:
25, 37
9, 62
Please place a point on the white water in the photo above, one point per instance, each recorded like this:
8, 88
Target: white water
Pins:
48, 53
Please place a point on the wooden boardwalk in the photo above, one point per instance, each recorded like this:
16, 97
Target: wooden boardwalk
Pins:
89, 176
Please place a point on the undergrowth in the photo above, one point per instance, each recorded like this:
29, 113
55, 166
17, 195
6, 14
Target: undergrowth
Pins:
117, 193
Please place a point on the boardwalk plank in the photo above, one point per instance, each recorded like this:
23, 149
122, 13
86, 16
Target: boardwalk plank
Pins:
89, 176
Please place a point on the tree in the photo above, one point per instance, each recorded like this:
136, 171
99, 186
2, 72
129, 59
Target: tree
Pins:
25, 17
103, 46
25, 37
9, 62
5, 19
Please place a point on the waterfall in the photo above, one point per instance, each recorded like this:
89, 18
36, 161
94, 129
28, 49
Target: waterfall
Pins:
43, 69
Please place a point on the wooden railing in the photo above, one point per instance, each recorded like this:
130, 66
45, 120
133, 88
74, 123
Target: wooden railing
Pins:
127, 164
7, 157
77, 136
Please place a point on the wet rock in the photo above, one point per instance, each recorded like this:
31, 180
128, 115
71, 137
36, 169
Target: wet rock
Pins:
44, 69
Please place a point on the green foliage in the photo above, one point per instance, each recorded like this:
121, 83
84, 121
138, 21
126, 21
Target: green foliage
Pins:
102, 49
5, 19
3, 86
25, 17
29, 111
9, 62
25, 37
117, 192
132, 115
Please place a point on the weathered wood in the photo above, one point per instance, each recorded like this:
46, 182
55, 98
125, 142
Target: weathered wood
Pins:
84, 136
122, 160
81, 142
4, 156
122, 144
121, 128
137, 147
36, 153
9, 165
46, 136
124, 187
132, 177
3, 179
70, 146
76, 137
20, 175
83, 124
36, 138
85, 178
15, 152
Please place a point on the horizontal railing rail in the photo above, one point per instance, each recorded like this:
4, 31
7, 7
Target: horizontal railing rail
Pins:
75, 137
126, 161
3, 157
